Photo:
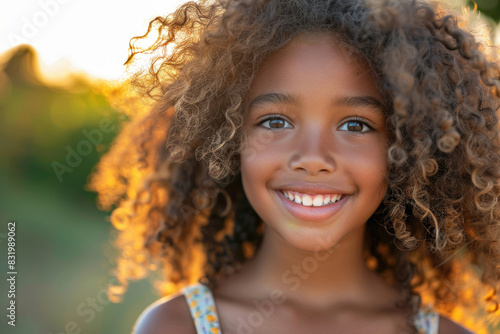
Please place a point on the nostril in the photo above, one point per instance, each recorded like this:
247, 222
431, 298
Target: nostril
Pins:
312, 165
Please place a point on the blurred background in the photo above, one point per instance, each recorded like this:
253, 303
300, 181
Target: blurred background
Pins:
60, 75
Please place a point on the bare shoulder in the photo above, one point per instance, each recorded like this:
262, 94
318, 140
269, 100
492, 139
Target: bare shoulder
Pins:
447, 326
168, 315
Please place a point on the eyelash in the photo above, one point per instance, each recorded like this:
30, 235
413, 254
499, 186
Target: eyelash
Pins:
272, 117
357, 119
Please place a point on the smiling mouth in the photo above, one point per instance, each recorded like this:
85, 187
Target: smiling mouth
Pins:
318, 200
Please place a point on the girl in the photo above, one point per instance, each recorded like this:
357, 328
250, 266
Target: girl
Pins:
309, 166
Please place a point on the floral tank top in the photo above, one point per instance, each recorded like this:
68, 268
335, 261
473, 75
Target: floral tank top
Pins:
202, 307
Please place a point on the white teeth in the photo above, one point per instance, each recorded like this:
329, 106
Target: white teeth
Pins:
307, 200
296, 199
326, 200
318, 200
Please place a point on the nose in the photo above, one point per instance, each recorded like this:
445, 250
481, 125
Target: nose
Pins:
312, 153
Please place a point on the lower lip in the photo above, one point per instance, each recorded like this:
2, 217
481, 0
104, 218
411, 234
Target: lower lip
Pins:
311, 213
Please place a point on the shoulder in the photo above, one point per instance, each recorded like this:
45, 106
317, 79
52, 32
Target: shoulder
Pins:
169, 315
447, 326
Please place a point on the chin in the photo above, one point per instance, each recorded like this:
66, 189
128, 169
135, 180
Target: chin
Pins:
313, 241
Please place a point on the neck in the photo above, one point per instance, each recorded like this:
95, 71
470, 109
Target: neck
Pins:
321, 279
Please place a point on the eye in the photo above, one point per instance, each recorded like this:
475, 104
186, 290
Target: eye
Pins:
274, 122
355, 125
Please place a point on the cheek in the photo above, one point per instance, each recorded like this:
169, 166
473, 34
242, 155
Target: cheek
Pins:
255, 142
258, 152
251, 159
369, 165
259, 160
253, 181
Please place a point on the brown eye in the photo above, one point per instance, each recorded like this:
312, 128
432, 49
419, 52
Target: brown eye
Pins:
355, 126
275, 123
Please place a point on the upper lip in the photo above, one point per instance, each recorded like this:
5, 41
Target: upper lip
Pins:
310, 188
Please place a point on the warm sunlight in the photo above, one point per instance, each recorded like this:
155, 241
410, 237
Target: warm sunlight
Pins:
83, 36
90, 36
76, 36
89, 170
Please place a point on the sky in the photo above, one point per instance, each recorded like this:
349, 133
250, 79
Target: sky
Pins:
89, 35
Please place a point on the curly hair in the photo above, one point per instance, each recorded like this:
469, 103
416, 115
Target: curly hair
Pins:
172, 174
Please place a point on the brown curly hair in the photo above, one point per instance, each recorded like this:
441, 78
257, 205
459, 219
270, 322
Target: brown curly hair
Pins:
173, 172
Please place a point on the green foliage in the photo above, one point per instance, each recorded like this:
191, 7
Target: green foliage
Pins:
51, 133
490, 8
62, 240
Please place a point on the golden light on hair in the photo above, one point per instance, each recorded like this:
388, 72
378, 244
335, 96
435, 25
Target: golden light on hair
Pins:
443, 163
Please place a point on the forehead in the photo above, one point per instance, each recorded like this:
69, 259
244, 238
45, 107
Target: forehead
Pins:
315, 59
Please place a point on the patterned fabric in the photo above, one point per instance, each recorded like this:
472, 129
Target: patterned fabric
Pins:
202, 306
427, 321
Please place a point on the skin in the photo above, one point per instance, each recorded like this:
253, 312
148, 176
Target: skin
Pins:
316, 138
312, 143
307, 277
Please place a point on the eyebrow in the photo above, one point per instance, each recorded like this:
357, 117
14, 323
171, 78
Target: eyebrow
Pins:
361, 101
349, 101
272, 98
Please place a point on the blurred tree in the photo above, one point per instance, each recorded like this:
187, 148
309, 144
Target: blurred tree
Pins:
49, 133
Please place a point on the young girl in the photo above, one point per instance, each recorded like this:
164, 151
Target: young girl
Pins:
310, 166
